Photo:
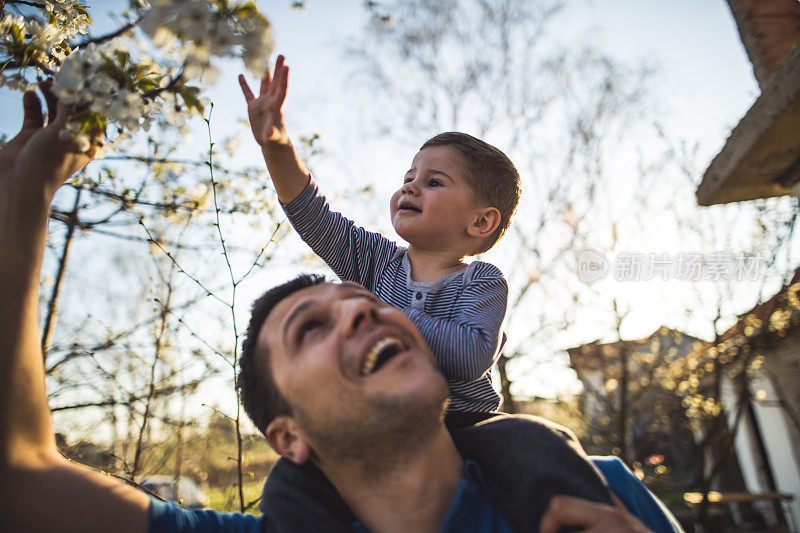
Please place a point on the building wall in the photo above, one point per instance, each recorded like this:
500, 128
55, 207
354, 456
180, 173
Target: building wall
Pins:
783, 368
775, 390
777, 441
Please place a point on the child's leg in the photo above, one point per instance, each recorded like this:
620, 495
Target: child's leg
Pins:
300, 498
461, 419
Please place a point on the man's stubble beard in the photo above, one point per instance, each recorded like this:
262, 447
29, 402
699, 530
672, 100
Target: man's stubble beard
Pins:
391, 428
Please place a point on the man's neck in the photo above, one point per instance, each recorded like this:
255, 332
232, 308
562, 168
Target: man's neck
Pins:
409, 493
429, 266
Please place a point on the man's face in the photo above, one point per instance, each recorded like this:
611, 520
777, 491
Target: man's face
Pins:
352, 367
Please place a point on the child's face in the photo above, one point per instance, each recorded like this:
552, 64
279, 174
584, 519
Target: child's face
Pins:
435, 205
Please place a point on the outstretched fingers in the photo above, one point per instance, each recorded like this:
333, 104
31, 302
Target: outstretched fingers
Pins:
265, 109
274, 86
281, 80
279, 68
265, 83
248, 94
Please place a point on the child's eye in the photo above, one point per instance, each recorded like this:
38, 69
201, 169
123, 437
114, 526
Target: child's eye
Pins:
407, 179
434, 183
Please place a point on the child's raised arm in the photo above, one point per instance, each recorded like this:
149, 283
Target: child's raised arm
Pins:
269, 130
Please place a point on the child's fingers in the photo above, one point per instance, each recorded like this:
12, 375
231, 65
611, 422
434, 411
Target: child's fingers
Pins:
265, 83
281, 84
280, 73
248, 94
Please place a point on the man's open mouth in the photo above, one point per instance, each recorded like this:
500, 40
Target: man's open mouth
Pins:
383, 350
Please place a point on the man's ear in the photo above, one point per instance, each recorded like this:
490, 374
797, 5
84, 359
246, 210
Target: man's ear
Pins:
287, 439
485, 222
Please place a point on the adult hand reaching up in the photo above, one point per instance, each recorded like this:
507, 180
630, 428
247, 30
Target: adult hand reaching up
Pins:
37, 156
33, 165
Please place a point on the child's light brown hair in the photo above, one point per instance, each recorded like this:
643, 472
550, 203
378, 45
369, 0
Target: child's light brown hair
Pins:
491, 176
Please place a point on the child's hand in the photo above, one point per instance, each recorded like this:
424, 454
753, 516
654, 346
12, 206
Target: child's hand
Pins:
266, 111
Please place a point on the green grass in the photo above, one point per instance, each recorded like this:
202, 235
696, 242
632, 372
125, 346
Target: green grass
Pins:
226, 499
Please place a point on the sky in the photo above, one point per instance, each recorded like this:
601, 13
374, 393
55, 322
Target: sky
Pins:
704, 85
706, 77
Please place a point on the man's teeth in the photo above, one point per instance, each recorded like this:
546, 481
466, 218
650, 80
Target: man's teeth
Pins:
375, 352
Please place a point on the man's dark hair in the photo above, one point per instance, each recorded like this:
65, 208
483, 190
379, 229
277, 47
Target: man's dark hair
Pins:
259, 394
492, 177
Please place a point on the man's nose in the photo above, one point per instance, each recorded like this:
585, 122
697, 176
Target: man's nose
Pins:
356, 313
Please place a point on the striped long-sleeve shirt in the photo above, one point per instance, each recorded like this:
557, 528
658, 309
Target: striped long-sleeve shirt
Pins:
460, 315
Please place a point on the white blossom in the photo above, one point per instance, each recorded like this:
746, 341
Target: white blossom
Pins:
69, 19
116, 83
205, 32
15, 82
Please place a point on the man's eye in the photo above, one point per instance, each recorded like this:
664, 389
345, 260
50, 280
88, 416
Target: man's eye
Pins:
306, 328
374, 299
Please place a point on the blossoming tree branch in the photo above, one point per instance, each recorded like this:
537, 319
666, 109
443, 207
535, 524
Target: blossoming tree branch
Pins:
120, 81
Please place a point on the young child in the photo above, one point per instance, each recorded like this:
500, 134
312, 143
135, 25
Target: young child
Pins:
456, 200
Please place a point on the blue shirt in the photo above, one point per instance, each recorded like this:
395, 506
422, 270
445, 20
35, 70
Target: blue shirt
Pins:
169, 517
471, 510
639, 501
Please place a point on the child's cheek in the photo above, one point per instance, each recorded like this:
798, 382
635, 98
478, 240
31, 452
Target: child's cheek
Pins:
393, 204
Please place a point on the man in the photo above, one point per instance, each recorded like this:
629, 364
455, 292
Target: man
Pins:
369, 447
343, 408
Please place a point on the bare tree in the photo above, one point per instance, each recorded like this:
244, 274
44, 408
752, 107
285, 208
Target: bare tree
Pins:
493, 69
